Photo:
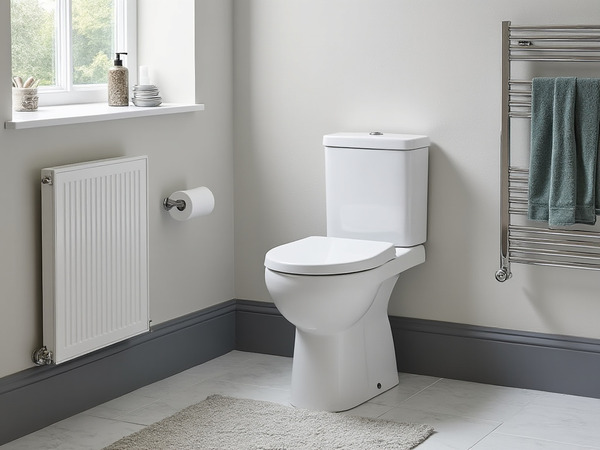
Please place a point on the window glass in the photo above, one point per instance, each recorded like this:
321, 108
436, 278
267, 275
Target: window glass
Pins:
93, 40
33, 36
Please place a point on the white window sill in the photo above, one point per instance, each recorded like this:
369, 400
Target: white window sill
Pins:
91, 112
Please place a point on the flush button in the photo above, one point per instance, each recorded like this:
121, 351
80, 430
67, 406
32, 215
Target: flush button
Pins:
376, 133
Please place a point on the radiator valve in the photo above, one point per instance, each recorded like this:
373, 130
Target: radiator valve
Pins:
42, 356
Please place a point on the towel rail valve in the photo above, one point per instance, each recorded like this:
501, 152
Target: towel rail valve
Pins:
503, 274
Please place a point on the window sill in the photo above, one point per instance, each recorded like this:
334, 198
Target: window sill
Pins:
92, 112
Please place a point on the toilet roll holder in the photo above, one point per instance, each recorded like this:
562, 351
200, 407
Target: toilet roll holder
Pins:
169, 204
190, 203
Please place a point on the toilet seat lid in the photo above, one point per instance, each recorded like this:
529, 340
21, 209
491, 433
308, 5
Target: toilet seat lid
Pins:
318, 255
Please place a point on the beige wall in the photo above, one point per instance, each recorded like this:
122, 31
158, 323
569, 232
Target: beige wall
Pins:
306, 68
303, 68
191, 263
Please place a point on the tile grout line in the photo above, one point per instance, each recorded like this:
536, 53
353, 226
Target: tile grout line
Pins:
403, 400
484, 437
422, 390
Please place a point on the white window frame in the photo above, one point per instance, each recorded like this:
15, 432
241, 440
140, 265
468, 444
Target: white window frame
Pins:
65, 92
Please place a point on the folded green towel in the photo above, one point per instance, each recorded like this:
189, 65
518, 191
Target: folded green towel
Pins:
587, 126
562, 201
565, 117
540, 164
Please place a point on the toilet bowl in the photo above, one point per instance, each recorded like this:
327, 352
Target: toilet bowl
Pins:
323, 285
335, 289
336, 292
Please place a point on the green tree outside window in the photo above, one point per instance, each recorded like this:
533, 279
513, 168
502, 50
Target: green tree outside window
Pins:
34, 40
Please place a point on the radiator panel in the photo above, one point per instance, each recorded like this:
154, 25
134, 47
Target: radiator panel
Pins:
95, 255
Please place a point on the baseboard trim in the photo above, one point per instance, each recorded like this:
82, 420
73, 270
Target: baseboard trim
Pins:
261, 328
546, 362
37, 397
539, 361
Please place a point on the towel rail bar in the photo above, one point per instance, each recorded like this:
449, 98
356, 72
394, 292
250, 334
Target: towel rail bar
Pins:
556, 35
553, 242
519, 211
539, 262
572, 234
526, 40
518, 28
564, 249
556, 58
526, 244
518, 115
558, 48
518, 170
519, 201
559, 253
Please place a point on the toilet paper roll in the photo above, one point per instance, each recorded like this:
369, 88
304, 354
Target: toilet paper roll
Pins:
199, 201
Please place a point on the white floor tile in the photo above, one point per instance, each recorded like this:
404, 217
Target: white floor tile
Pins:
499, 441
148, 414
561, 424
268, 371
451, 432
475, 400
408, 386
368, 410
121, 405
80, 432
553, 400
465, 415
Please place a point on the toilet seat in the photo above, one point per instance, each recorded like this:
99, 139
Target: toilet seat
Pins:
319, 255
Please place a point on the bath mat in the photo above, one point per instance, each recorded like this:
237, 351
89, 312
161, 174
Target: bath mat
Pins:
221, 422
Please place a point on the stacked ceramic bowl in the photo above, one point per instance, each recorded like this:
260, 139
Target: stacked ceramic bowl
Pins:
146, 95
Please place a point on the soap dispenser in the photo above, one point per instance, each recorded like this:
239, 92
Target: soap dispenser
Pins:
118, 83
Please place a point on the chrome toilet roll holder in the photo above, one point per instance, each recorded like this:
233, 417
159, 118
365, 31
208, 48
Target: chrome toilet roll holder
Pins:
169, 204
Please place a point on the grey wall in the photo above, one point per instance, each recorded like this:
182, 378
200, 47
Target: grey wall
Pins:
306, 68
191, 263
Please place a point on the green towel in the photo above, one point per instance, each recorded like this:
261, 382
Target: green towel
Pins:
542, 101
587, 126
562, 201
563, 186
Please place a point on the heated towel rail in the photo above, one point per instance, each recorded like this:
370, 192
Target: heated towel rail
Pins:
521, 242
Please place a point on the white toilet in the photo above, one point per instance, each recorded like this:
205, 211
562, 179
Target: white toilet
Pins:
336, 289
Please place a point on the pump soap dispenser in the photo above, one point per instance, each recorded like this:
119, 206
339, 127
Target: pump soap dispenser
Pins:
118, 83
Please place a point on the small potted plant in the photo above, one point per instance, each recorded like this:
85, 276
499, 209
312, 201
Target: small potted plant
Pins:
25, 96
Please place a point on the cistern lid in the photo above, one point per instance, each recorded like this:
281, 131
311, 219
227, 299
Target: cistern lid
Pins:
318, 255
376, 140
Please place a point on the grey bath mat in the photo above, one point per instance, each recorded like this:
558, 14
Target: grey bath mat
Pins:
229, 423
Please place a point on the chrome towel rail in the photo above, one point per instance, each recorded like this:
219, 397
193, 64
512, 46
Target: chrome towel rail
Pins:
526, 244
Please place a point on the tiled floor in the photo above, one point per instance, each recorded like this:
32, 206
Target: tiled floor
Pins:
464, 415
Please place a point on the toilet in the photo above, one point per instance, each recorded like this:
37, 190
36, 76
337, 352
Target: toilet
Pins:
335, 289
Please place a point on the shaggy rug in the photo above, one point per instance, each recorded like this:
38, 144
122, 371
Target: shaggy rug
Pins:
229, 423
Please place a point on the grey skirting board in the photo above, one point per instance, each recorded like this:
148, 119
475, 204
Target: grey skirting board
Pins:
36, 397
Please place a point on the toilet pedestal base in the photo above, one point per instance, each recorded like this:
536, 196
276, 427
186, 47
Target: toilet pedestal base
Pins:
340, 371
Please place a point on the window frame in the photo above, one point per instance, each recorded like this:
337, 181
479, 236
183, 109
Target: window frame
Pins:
65, 92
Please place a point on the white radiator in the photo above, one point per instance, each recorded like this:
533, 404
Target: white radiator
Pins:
94, 256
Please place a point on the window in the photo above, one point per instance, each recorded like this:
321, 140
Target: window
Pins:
69, 45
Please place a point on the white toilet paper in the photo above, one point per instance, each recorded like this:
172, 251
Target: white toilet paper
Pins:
199, 201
